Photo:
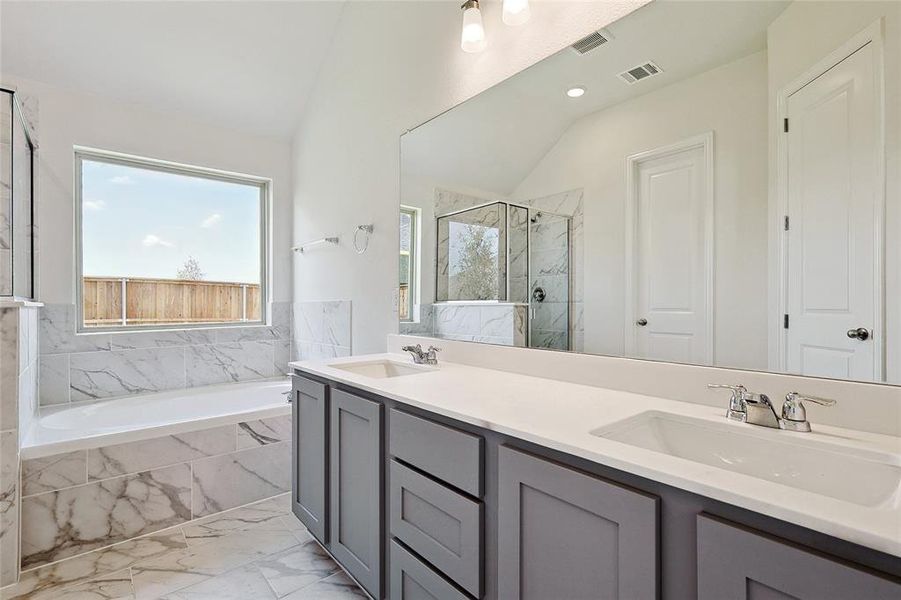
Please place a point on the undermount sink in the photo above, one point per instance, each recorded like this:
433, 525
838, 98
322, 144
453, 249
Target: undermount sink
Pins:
862, 477
381, 369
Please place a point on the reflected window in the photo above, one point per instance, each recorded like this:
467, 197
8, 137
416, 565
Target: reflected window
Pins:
407, 263
472, 251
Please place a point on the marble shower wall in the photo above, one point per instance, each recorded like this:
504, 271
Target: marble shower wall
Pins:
76, 502
322, 329
570, 204
95, 366
503, 323
18, 392
550, 260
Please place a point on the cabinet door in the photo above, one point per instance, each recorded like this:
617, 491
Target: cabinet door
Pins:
355, 474
565, 534
411, 579
310, 455
735, 563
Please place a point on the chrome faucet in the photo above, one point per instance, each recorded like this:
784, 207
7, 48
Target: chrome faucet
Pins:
429, 357
756, 409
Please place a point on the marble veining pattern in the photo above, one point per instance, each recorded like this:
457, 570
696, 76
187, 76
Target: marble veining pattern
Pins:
262, 432
222, 482
321, 329
228, 363
98, 375
54, 472
56, 525
9, 506
259, 552
93, 366
134, 457
9, 368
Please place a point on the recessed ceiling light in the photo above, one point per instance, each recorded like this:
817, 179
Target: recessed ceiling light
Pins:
575, 92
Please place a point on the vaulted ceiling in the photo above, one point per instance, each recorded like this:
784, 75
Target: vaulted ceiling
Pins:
248, 66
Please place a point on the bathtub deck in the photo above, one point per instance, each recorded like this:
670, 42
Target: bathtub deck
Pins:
256, 552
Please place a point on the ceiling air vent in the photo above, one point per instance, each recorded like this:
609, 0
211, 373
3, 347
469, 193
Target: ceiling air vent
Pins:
592, 41
643, 71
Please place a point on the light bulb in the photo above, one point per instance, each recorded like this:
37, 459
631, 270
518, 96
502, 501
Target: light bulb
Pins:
472, 38
516, 12
575, 92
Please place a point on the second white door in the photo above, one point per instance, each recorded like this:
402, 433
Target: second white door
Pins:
833, 281
671, 255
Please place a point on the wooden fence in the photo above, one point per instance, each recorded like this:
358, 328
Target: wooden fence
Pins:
111, 301
403, 307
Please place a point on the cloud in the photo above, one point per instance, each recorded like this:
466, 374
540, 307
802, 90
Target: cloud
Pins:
94, 204
211, 221
122, 180
151, 240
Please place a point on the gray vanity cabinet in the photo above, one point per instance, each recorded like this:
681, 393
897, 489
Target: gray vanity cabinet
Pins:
355, 487
309, 459
735, 563
566, 534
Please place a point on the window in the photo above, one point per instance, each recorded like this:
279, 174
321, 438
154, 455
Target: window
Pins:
161, 244
407, 263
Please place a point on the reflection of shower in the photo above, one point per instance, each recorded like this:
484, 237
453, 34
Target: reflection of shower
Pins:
535, 218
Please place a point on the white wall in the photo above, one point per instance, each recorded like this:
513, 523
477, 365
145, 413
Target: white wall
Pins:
729, 100
802, 36
67, 118
391, 66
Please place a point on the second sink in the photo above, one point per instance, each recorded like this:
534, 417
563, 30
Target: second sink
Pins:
861, 477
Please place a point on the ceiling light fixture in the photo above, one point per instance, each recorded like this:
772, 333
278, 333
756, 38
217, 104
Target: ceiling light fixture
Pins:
472, 39
575, 92
516, 12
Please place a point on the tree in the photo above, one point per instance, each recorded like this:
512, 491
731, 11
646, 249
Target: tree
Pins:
190, 270
476, 267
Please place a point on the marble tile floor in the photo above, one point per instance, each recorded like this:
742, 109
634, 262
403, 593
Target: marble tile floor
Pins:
256, 552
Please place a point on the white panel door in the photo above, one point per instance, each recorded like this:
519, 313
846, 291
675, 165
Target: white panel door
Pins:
833, 174
671, 266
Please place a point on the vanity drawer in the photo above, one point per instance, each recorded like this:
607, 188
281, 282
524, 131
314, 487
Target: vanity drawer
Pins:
439, 524
449, 454
411, 579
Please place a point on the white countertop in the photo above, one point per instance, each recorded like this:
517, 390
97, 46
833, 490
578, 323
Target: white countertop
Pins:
561, 415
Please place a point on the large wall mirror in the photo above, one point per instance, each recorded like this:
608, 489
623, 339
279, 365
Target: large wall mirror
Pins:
713, 183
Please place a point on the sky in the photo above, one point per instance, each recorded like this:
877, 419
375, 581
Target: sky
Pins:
145, 223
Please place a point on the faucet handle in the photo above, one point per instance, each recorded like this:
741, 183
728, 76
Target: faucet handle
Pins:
793, 407
736, 389
434, 349
738, 406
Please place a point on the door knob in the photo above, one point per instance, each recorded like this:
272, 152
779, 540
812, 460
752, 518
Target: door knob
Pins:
641, 322
861, 333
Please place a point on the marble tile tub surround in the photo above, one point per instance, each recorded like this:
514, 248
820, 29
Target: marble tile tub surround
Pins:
874, 408
95, 366
322, 329
18, 393
259, 551
75, 502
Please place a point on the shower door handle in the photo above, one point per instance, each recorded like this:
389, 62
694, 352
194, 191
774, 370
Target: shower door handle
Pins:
641, 322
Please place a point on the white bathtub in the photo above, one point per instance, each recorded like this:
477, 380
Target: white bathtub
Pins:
146, 416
